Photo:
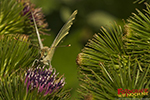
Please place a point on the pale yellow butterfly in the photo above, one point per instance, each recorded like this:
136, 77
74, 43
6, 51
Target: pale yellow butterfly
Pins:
62, 33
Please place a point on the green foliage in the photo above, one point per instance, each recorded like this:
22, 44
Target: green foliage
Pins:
16, 53
11, 20
103, 83
137, 36
14, 19
102, 47
139, 1
116, 59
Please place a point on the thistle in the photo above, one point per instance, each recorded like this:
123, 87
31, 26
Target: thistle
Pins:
18, 87
45, 80
115, 59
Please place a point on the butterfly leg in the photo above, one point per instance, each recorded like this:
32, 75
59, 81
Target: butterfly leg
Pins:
36, 60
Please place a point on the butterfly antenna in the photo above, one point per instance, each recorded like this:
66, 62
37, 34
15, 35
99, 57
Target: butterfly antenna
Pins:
63, 46
37, 32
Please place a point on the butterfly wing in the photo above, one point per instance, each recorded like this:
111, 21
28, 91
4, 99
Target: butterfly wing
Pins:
62, 33
64, 30
37, 32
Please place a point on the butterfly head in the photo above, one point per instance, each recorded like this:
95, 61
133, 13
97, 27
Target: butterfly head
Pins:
44, 51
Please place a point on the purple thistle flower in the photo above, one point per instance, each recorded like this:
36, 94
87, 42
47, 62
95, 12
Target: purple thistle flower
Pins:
37, 13
26, 10
44, 80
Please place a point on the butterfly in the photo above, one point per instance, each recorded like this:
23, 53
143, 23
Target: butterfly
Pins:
46, 59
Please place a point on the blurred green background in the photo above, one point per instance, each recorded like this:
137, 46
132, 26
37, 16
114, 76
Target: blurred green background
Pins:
92, 14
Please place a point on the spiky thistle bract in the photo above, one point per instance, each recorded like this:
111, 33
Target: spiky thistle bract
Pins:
11, 20
16, 53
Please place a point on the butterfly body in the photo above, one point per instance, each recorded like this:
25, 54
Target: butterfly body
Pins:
46, 55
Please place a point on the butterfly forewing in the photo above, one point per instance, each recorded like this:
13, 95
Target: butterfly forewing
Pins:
64, 30
37, 32
62, 33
